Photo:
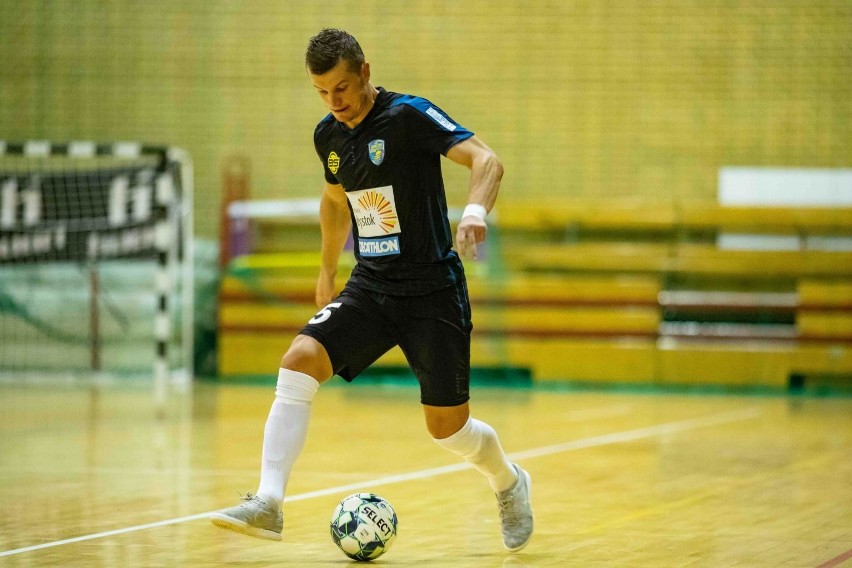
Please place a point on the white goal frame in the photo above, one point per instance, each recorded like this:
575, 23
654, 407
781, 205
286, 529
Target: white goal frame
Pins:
173, 240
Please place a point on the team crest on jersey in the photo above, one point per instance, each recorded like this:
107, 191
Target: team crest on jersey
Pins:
333, 162
376, 149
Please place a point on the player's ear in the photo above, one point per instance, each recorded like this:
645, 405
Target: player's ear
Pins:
365, 72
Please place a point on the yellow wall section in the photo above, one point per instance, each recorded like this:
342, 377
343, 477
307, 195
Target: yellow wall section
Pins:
585, 99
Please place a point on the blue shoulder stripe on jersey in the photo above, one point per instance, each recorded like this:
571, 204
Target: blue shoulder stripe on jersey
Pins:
419, 103
427, 108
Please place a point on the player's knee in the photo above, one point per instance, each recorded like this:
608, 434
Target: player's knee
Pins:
444, 421
307, 355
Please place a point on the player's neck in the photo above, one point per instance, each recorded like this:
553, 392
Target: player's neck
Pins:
369, 101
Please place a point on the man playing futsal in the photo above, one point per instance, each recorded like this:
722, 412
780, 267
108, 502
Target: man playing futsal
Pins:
381, 153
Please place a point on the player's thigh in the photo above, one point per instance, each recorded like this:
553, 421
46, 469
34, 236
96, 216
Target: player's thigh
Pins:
352, 331
436, 343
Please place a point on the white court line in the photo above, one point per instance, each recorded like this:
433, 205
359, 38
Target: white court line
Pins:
595, 441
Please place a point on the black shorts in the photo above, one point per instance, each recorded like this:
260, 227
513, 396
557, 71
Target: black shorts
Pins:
433, 331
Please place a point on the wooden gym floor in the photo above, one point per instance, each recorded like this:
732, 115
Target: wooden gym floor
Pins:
90, 476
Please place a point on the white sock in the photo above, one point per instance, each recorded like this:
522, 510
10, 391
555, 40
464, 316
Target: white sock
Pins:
286, 430
477, 444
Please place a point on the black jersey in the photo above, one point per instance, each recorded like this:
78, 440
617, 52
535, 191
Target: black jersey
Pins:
390, 167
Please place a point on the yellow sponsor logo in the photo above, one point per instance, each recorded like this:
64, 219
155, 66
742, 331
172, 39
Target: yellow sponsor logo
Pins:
377, 211
333, 162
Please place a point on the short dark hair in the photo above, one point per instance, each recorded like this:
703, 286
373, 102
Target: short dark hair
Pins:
330, 46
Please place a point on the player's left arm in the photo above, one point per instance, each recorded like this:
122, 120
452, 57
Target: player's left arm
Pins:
486, 171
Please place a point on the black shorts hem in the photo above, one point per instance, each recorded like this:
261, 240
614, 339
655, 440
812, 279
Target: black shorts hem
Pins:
444, 404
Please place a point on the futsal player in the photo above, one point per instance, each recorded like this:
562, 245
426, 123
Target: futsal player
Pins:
381, 154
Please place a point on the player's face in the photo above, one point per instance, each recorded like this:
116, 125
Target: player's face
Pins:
346, 93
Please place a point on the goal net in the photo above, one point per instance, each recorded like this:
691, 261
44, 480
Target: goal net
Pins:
95, 260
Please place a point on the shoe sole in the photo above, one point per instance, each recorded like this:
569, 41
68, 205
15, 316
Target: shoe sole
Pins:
237, 526
528, 481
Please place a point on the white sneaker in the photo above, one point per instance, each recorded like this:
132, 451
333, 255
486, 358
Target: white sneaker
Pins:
258, 517
516, 515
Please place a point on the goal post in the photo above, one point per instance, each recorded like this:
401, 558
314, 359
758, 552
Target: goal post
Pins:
96, 260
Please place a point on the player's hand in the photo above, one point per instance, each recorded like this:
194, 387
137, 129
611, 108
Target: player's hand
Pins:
325, 290
470, 232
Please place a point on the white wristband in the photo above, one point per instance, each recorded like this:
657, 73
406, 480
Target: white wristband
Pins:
476, 210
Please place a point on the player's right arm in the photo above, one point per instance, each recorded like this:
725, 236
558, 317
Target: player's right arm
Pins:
335, 225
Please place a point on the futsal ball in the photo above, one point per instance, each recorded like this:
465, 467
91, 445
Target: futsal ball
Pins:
363, 525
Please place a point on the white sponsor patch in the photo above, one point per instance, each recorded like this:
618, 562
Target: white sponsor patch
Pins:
379, 247
440, 119
374, 211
